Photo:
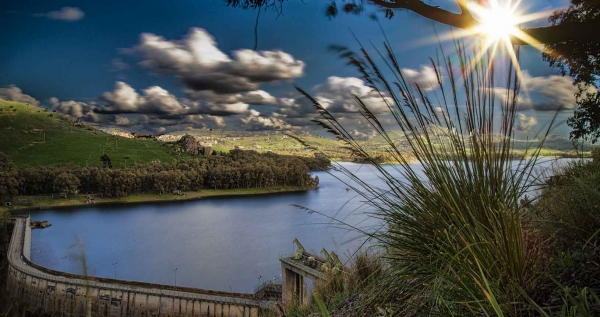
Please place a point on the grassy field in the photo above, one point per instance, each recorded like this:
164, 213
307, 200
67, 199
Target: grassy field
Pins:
277, 142
46, 202
31, 136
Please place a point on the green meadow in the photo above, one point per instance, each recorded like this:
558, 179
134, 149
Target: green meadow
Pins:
32, 136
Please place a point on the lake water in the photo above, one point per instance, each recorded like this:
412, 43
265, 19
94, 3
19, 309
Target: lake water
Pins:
217, 243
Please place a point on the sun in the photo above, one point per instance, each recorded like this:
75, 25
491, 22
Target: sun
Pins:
497, 23
500, 21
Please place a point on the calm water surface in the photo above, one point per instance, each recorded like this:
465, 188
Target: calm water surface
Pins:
217, 243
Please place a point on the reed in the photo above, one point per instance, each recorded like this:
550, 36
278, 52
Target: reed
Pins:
453, 238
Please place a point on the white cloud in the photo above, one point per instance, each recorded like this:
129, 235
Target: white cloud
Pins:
120, 120
14, 93
69, 14
201, 65
123, 99
525, 122
72, 108
359, 135
218, 121
78, 110
337, 96
254, 121
161, 124
426, 78
156, 100
544, 93
256, 97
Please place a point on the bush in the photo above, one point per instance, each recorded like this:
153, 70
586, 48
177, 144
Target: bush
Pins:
455, 242
568, 209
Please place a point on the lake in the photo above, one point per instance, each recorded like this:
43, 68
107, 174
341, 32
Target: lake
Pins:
227, 244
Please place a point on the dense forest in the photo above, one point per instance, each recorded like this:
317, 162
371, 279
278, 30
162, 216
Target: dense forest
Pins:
234, 170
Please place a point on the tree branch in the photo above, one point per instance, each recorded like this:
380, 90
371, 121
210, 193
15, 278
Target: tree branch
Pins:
587, 31
462, 20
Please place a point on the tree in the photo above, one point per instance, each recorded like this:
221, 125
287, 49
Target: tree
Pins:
66, 183
573, 56
8, 179
586, 120
580, 59
106, 161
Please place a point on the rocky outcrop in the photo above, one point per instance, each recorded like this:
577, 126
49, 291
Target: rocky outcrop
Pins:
39, 224
191, 145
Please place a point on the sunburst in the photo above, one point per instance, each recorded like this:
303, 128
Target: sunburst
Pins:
500, 21
497, 24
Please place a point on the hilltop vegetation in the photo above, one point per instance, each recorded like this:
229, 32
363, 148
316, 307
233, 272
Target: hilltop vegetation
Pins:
377, 147
35, 137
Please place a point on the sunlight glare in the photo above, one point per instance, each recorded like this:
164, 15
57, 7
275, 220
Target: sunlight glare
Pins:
498, 23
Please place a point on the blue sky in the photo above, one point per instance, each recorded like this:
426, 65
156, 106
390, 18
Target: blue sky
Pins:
77, 56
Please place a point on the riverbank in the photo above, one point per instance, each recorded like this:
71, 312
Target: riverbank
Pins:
23, 203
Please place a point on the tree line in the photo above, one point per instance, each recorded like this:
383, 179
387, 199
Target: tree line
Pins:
235, 170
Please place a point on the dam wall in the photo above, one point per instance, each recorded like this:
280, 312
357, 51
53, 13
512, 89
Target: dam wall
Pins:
49, 291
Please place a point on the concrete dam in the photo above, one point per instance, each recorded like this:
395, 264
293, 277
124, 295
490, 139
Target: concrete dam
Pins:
49, 291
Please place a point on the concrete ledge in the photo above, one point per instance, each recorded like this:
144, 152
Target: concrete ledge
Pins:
51, 290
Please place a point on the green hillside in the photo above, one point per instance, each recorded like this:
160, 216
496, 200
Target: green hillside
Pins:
32, 136
278, 142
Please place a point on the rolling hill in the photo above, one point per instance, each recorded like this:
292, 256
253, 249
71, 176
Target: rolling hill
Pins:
35, 136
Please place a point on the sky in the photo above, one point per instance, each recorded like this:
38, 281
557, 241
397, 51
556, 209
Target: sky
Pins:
160, 66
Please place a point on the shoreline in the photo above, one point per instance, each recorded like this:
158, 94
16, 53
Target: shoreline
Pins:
47, 202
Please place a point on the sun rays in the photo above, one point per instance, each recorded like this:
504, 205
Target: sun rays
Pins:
497, 24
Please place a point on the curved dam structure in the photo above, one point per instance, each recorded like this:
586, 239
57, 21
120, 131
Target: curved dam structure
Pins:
51, 291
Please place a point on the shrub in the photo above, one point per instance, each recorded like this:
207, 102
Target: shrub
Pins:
455, 242
568, 209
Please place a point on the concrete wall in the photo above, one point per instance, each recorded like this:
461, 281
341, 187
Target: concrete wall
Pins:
71, 295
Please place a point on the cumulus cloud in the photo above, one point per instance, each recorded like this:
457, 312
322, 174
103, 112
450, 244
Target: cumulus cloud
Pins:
254, 121
14, 93
545, 93
160, 124
78, 110
219, 121
156, 100
299, 108
69, 14
124, 121
525, 122
360, 135
336, 95
256, 97
426, 78
73, 108
200, 65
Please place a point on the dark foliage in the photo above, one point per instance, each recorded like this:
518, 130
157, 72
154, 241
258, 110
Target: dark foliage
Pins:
238, 169
586, 119
106, 161
577, 58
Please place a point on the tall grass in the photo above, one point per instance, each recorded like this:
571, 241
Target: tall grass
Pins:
453, 237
